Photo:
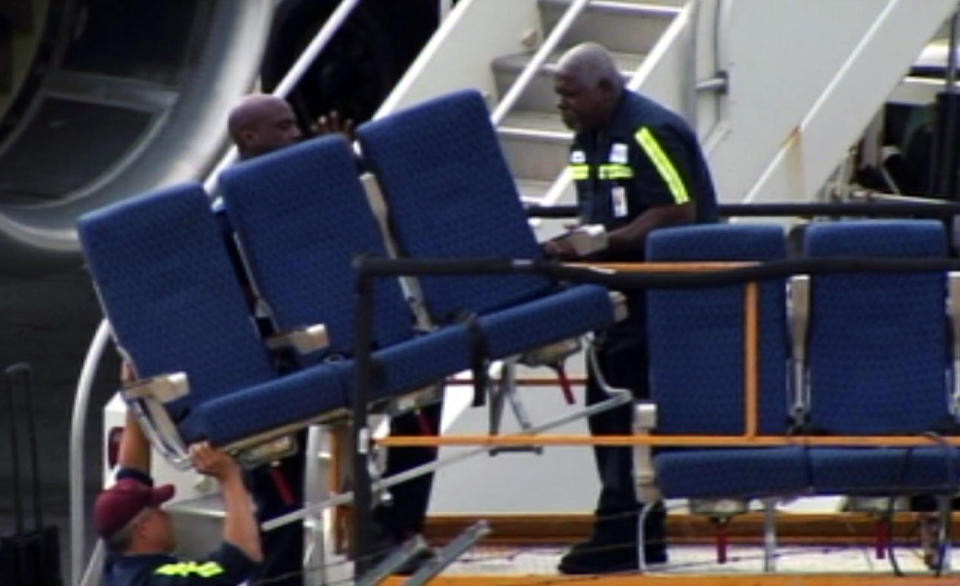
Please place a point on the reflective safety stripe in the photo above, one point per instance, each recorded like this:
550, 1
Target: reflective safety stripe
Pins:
615, 171
579, 172
662, 162
185, 569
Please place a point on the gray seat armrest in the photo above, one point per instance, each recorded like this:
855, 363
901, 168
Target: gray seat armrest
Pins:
304, 340
645, 421
953, 310
147, 397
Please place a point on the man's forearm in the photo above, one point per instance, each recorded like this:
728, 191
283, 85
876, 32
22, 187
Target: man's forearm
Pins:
633, 235
134, 447
240, 527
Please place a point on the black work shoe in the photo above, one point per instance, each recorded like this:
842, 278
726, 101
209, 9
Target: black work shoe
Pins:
603, 556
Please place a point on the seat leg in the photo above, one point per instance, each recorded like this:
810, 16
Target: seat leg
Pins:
769, 535
944, 502
721, 524
641, 553
318, 485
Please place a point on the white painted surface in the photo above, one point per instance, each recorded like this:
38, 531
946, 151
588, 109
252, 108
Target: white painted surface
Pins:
781, 62
561, 479
458, 55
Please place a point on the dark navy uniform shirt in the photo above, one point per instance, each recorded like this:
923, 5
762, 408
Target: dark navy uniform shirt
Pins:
227, 566
648, 156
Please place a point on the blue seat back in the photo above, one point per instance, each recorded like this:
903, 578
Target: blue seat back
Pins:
302, 216
878, 341
167, 286
696, 336
451, 195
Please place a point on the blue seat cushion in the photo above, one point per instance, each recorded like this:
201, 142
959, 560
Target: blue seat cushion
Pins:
878, 346
416, 363
167, 286
884, 470
696, 335
451, 195
293, 398
570, 312
302, 217
732, 473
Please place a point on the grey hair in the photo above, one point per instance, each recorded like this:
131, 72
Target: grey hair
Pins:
591, 63
122, 539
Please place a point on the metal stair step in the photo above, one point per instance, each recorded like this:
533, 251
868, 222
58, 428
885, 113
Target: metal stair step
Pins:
548, 124
535, 143
539, 94
625, 27
532, 189
534, 158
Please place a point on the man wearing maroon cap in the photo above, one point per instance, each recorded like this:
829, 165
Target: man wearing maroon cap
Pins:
139, 534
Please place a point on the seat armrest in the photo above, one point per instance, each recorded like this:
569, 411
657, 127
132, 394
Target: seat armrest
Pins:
619, 302
798, 308
146, 397
644, 421
164, 388
551, 354
953, 310
645, 417
304, 340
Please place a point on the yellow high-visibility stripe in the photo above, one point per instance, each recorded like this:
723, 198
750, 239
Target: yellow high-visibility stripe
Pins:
662, 162
615, 171
579, 172
185, 569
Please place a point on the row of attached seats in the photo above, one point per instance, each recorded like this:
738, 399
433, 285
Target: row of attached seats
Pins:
877, 349
176, 305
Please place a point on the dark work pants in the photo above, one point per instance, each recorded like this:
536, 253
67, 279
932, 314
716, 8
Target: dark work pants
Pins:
282, 547
622, 357
614, 465
409, 500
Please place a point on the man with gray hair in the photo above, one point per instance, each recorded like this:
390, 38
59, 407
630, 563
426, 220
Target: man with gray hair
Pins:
637, 167
139, 535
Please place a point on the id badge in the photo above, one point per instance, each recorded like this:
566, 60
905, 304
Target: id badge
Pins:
618, 201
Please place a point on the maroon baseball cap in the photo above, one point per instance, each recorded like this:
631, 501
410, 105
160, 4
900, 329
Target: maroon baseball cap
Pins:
119, 504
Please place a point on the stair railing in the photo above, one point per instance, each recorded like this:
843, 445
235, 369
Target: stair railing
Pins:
539, 58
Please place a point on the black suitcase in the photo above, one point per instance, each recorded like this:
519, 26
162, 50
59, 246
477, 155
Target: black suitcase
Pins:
30, 557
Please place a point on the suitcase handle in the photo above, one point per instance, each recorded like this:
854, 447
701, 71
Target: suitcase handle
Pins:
23, 372
15, 453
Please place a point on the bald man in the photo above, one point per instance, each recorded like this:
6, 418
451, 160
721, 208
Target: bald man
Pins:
261, 123
637, 167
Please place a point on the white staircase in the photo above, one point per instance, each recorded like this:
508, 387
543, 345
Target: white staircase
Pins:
533, 137
803, 78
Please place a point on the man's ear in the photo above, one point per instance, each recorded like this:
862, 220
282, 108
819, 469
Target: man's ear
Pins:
248, 137
139, 529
